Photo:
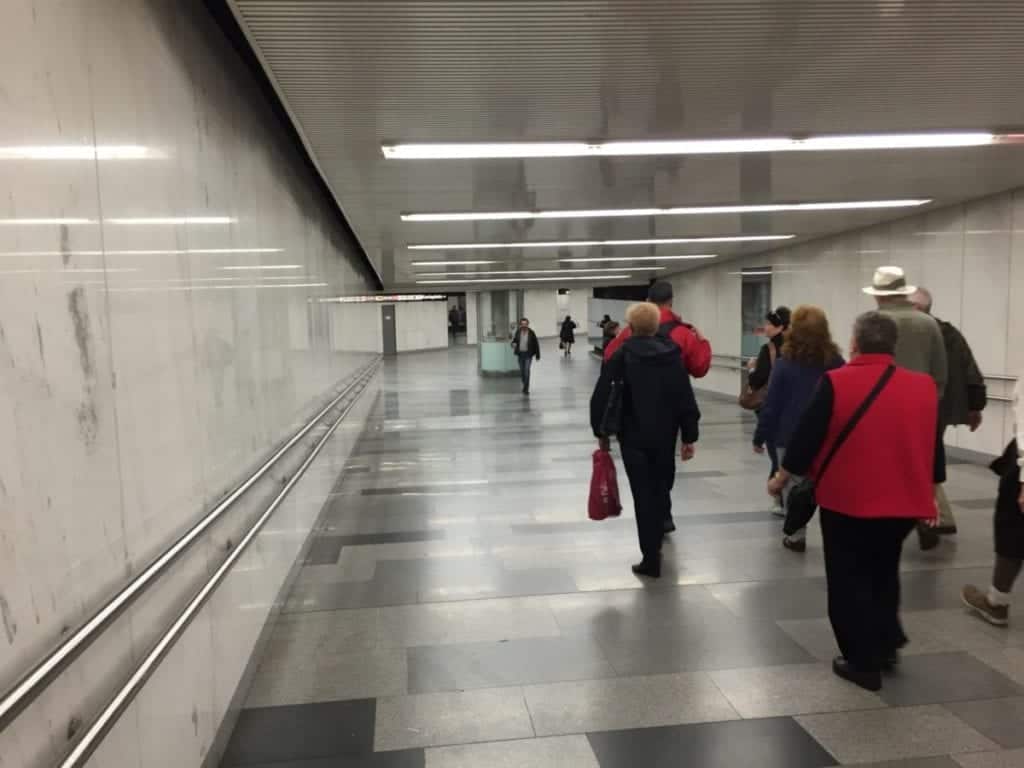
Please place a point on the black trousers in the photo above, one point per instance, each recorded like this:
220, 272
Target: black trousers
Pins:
862, 561
651, 473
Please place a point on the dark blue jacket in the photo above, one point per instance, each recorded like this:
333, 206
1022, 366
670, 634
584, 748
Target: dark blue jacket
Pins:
790, 389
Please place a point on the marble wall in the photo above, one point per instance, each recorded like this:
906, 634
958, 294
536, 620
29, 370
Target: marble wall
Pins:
541, 306
421, 325
161, 249
970, 256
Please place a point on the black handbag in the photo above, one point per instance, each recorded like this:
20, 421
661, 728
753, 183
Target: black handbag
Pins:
802, 500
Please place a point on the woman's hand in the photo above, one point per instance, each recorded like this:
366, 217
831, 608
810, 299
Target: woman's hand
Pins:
777, 483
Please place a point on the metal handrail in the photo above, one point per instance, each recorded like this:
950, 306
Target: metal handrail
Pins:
32, 683
92, 737
1000, 399
999, 377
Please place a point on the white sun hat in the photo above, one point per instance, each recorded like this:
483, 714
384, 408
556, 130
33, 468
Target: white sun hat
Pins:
890, 281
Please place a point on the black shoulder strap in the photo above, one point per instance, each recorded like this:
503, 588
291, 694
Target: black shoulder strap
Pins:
666, 328
861, 410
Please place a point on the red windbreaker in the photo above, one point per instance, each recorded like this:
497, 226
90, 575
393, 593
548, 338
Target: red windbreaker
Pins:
694, 348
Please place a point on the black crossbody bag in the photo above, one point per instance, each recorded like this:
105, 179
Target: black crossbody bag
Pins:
802, 499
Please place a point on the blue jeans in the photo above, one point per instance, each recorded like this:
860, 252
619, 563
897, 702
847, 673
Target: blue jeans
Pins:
525, 361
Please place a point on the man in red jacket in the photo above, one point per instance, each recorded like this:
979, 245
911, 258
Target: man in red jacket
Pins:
694, 348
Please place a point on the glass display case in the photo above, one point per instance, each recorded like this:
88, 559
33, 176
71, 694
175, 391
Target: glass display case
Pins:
497, 316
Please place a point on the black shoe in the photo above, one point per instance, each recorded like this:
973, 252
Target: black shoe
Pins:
945, 530
668, 526
648, 568
891, 663
927, 538
794, 545
869, 681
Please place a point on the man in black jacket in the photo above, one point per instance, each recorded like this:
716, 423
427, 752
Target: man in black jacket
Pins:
527, 348
965, 396
658, 407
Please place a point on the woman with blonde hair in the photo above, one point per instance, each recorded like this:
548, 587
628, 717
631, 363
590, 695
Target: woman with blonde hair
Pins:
807, 353
644, 397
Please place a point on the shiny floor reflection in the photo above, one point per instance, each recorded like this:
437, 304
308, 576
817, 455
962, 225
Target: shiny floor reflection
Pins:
456, 608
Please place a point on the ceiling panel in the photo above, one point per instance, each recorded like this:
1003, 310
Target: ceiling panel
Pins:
356, 74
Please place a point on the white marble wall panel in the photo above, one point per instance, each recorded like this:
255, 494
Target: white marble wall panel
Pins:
357, 326
541, 306
472, 333
970, 256
147, 366
578, 308
421, 325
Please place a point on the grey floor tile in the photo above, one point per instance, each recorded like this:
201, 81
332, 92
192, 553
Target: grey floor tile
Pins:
937, 589
557, 752
893, 734
629, 702
917, 762
324, 550
1009, 759
324, 676
768, 743
345, 595
1001, 720
441, 719
793, 599
474, 621
945, 677
407, 758
817, 638
794, 689
305, 732
512, 662
1008, 661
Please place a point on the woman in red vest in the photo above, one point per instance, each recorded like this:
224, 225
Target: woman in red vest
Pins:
878, 484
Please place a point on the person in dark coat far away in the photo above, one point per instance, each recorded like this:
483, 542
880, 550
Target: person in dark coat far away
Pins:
760, 368
568, 335
527, 349
658, 408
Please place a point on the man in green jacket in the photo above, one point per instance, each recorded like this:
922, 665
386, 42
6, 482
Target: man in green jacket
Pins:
920, 348
966, 395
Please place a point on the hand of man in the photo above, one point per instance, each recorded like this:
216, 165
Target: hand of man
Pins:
758, 448
974, 420
688, 451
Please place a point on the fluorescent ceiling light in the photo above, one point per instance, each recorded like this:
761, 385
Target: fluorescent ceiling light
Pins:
384, 299
453, 263
260, 266
80, 152
592, 278
43, 222
487, 273
588, 243
753, 273
587, 259
522, 149
173, 220
695, 210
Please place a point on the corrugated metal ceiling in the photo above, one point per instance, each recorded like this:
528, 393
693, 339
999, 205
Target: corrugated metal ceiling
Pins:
356, 74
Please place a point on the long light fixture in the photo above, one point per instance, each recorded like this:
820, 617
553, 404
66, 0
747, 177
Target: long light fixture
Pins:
247, 267
592, 278
453, 263
525, 149
685, 257
173, 220
80, 152
694, 210
589, 243
488, 273
43, 222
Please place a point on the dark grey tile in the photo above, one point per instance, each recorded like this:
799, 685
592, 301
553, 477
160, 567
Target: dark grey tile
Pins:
398, 537
768, 743
775, 600
937, 589
1001, 720
975, 504
338, 596
301, 732
945, 677
406, 758
324, 550
514, 662
917, 762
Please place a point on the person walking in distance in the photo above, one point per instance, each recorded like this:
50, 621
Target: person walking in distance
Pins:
527, 349
920, 348
760, 372
657, 409
694, 349
807, 354
965, 398
993, 605
567, 335
867, 439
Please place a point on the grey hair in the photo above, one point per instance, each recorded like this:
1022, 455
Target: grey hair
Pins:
875, 333
925, 299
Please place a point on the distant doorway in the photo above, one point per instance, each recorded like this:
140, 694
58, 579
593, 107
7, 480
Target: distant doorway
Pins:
457, 328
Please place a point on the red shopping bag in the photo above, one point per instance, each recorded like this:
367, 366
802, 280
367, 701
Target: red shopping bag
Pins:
604, 488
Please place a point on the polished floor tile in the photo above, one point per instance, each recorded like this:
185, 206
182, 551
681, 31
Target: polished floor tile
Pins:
409, 758
323, 676
1009, 759
557, 752
440, 719
894, 733
793, 599
917, 762
1001, 720
794, 689
944, 677
626, 702
769, 743
305, 732
473, 621
503, 663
